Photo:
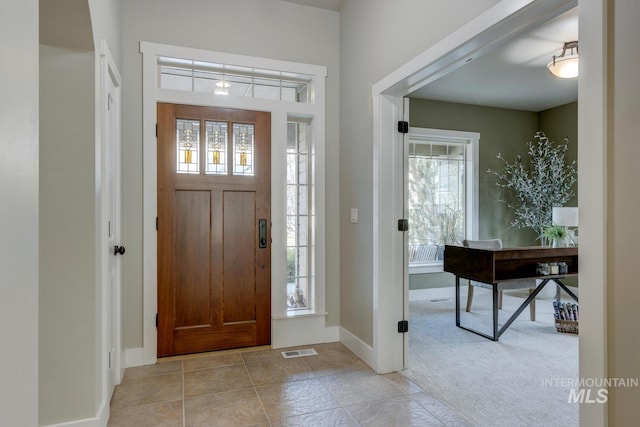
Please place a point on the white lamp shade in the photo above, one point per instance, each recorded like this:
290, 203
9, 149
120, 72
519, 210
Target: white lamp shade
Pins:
564, 66
565, 216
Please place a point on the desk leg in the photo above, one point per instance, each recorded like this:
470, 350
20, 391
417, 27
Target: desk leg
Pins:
563, 286
457, 300
495, 311
526, 302
496, 333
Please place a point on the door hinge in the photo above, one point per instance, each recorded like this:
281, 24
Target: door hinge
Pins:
109, 354
403, 326
156, 130
156, 320
403, 224
403, 127
156, 223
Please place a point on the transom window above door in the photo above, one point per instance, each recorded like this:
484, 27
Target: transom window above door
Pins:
230, 80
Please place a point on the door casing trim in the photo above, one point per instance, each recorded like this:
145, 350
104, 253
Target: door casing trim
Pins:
279, 113
592, 126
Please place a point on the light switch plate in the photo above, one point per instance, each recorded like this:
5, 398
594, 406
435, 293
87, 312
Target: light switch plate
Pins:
354, 215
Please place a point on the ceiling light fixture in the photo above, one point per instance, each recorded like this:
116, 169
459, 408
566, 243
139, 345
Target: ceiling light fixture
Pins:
565, 66
222, 88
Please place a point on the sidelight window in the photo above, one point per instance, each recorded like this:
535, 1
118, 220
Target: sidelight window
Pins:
300, 214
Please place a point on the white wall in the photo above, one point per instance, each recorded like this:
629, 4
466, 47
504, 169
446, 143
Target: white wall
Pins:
70, 381
608, 127
67, 245
624, 233
592, 157
263, 28
106, 16
19, 213
377, 36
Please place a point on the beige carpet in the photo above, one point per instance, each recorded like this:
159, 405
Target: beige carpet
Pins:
494, 383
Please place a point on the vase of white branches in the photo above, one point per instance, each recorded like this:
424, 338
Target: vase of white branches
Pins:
534, 187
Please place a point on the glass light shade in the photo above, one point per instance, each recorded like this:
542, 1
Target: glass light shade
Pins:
567, 217
565, 67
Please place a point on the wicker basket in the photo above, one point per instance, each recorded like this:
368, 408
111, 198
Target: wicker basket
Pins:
567, 326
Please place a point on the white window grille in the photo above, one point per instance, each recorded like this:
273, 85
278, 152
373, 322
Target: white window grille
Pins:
300, 215
441, 185
229, 80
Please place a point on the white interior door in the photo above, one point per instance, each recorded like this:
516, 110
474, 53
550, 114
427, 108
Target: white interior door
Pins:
405, 246
113, 230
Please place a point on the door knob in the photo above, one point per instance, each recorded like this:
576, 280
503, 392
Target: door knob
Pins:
118, 250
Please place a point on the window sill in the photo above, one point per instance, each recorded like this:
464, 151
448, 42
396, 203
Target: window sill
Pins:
436, 267
294, 314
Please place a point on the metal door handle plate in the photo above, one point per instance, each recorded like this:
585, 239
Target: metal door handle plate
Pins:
262, 233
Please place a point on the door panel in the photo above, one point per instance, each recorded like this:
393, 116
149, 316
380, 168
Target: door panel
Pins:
192, 252
239, 299
214, 281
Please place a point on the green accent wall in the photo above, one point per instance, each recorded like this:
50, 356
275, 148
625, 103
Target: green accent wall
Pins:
501, 131
559, 123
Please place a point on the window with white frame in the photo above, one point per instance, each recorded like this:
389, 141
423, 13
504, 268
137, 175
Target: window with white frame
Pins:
442, 194
232, 80
300, 214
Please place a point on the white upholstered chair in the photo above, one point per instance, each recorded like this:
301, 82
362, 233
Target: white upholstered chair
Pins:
506, 285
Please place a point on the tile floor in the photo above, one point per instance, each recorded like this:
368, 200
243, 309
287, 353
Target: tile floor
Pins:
258, 387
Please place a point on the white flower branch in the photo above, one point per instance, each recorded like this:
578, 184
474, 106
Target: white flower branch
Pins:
546, 181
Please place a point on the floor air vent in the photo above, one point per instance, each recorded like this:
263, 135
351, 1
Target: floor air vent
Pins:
299, 353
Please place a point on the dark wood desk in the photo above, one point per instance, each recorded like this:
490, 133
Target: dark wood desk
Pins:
495, 265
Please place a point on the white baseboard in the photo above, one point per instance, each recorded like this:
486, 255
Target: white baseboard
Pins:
301, 330
450, 292
100, 420
88, 422
358, 347
432, 293
104, 413
133, 357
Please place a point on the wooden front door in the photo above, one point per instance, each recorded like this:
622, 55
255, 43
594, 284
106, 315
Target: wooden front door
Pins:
214, 223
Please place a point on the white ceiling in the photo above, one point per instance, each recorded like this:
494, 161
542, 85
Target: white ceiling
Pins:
515, 75
67, 24
322, 4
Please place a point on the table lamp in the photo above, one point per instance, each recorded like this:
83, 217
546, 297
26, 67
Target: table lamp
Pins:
566, 217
